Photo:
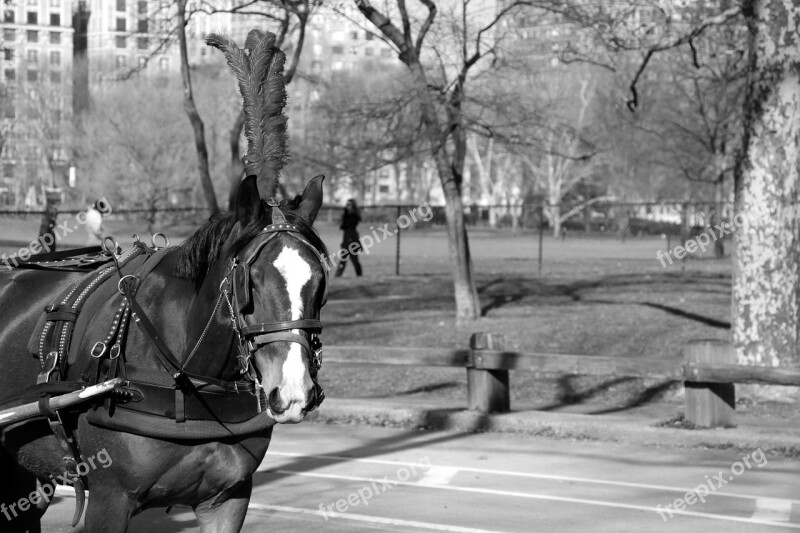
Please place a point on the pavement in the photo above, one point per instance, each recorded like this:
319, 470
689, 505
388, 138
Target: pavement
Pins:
344, 478
648, 425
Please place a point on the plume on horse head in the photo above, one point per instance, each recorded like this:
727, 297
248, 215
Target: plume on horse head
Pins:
259, 70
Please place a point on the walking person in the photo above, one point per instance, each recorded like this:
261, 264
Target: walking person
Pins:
94, 222
350, 219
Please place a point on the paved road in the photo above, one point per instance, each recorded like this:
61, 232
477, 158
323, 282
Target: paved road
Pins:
342, 479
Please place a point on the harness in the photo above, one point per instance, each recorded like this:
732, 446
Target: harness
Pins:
176, 404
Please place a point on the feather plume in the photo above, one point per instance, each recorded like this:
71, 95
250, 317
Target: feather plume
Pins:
259, 70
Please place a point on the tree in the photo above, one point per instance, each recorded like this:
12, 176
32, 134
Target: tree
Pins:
133, 147
198, 127
766, 287
443, 55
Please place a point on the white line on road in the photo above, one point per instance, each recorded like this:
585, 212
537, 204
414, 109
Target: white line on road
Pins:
371, 519
772, 510
438, 475
530, 475
546, 497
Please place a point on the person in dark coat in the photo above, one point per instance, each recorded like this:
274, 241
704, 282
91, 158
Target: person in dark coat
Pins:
350, 219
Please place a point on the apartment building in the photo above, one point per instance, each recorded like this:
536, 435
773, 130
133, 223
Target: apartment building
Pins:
35, 96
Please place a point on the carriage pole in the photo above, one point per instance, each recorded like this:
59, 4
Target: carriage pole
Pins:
32, 410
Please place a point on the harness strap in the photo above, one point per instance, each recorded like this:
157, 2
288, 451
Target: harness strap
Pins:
272, 327
285, 336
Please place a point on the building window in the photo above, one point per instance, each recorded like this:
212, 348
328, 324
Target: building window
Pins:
55, 3
32, 36
369, 36
11, 75
338, 50
368, 51
354, 35
120, 5
142, 7
386, 52
337, 65
33, 17
163, 64
55, 58
8, 170
9, 16
141, 26
55, 77
120, 42
55, 37
121, 61
32, 56
120, 24
8, 54
141, 43
33, 75
55, 19
383, 189
9, 35
142, 62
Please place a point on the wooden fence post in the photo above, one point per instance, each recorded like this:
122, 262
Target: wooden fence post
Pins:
710, 404
487, 390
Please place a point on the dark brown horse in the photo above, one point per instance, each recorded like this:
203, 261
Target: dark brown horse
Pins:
286, 281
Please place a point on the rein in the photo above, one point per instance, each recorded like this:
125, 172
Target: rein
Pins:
250, 337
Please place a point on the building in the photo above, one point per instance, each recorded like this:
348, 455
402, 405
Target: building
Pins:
36, 93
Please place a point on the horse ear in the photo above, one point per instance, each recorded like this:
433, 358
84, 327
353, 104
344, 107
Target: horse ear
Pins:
311, 200
248, 201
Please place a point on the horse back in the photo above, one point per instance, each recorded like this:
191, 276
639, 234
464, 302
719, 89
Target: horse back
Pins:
24, 294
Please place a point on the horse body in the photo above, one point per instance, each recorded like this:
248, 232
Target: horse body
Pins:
213, 477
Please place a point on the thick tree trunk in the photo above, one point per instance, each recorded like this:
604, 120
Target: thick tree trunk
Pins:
194, 116
766, 287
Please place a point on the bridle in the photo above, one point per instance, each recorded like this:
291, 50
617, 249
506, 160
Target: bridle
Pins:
235, 288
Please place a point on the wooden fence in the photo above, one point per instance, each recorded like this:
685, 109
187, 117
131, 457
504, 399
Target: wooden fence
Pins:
708, 371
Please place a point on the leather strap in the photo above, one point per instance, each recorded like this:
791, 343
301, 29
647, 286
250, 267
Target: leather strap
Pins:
284, 336
272, 327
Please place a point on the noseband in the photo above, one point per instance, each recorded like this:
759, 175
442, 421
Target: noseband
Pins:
253, 336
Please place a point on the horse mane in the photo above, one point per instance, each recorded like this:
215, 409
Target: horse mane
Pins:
198, 254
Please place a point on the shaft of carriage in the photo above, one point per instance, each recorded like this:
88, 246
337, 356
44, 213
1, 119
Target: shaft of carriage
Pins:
13, 415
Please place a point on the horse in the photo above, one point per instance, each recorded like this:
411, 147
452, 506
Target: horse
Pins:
285, 284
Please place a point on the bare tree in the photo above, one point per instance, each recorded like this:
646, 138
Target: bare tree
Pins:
441, 87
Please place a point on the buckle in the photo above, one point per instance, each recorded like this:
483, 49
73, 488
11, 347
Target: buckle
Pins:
114, 352
98, 350
50, 364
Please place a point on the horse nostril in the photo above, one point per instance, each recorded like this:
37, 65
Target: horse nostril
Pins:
275, 404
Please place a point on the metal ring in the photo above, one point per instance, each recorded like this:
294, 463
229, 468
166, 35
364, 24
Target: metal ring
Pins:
155, 236
102, 349
136, 239
114, 352
114, 242
119, 283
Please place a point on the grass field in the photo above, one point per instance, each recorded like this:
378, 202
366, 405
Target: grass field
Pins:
594, 296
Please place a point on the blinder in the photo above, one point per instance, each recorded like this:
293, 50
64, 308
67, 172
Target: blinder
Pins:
251, 336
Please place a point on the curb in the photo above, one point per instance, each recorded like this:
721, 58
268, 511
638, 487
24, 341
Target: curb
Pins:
605, 428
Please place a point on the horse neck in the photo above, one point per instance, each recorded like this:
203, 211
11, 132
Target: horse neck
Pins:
198, 313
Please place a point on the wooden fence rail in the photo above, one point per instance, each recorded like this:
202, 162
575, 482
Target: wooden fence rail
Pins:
708, 371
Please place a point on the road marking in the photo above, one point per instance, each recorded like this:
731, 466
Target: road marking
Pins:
773, 510
371, 519
438, 475
529, 475
546, 497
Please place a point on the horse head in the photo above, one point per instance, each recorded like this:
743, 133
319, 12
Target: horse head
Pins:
278, 279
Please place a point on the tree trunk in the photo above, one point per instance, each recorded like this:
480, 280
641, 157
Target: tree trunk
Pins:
719, 244
466, 293
237, 168
194, 116
766, 287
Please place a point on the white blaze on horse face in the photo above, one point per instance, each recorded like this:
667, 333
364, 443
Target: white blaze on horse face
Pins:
297, 273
